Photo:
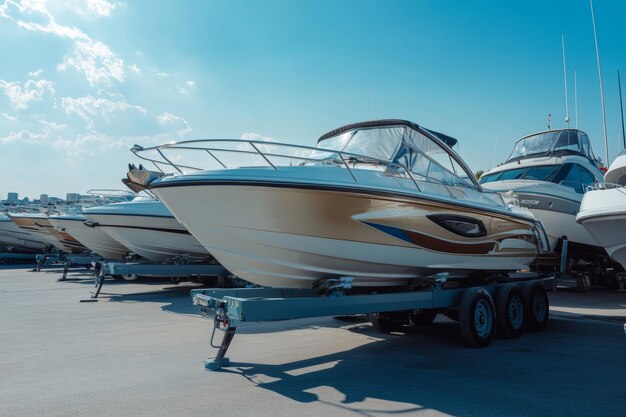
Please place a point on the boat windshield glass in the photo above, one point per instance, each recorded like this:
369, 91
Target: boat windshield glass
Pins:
571, 141
405, 147
379, 143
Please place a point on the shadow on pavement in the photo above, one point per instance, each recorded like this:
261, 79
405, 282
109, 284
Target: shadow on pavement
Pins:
428, 368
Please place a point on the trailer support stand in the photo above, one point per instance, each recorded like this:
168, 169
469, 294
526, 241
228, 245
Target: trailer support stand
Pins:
220, 359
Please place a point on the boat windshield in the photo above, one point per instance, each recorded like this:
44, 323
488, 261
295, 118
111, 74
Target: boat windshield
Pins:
568, 140
401, 146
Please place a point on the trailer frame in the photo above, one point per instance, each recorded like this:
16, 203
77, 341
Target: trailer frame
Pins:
228, 307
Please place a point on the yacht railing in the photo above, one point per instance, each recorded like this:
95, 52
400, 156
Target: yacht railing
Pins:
255, 147
603, 186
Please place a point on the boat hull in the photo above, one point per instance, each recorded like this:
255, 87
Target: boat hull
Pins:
158, 239
94, 239
11, 235
293, 237
603, 215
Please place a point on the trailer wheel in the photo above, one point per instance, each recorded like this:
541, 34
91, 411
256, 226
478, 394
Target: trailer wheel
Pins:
423, 317
477, 318
537, 307
129, 277
388, 322
510, 311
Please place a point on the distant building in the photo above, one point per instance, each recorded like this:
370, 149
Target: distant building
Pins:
44, 199
72, 197
12, 198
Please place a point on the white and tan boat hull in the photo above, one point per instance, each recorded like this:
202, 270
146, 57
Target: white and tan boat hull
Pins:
293, 237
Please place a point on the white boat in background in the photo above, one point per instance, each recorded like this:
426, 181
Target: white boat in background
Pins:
95, 239
14, 237
550, 172
146, 227
387, 203
39, 223
603, 211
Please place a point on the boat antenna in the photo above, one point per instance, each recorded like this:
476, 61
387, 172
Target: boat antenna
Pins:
575, 100
621, 107
549, 121
374, 106
565, 80
595, 38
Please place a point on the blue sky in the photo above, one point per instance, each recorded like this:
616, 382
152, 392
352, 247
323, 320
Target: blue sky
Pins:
82, 81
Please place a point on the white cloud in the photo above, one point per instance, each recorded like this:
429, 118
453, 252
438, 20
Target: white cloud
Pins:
163, 74
46, 133
179, 123
9, 117
36, 73
134, 68
90, 108
96, 60
33, 90
98, 7
190, 83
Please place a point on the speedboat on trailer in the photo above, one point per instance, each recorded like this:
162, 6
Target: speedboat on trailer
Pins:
550, 172
95, 239
387, 203
17, 238
146, 227
38, 222
603, 211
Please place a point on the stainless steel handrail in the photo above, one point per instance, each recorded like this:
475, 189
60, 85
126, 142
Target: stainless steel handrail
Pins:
212, 148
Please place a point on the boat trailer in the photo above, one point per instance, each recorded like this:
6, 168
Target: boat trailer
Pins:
132, 270
509, 306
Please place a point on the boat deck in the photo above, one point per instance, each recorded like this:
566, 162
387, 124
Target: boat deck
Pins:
139, 350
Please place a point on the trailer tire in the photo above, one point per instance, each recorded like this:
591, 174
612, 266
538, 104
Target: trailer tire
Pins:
537, 307
510, 311
387, 322
477, 318
423, 317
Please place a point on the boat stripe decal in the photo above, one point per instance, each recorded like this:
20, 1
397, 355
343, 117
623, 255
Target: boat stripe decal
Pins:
432, 243
158, 229
339, 188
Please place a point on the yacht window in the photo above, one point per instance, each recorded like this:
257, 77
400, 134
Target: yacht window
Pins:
572, 179
586, 178
568, 141
542, 173
511, 174
488, 178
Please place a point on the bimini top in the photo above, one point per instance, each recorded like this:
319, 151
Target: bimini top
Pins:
553, 143
450, 141
424, 152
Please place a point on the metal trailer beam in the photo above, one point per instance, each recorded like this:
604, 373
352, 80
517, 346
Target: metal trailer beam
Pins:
46, 259
14, 257
229, 306
78, 261
153, 270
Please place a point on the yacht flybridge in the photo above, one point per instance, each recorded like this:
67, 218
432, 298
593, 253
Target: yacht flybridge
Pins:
387, 203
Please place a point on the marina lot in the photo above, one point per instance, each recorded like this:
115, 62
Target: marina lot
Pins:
140, 350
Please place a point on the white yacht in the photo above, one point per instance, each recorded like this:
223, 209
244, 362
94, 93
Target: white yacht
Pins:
146, 227
550, 172
388, 203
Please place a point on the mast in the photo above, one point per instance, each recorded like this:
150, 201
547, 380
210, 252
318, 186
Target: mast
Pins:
565, 80
595, 38
621, 106
575, 99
